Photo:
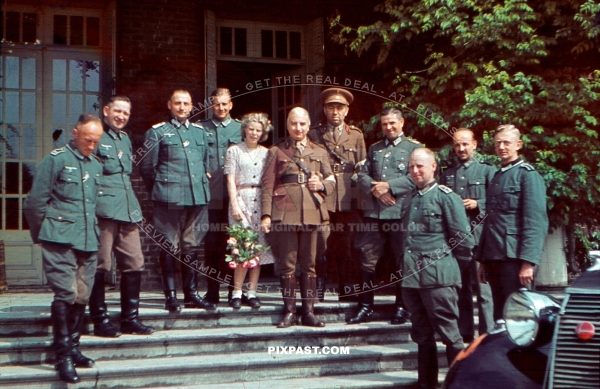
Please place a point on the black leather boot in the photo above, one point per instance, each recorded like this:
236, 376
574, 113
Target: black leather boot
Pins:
452, 352
427, 366
288, 292
321, 270
131, 282
190, 291
60, 312
308, 291
76, 319
401, 315
167, 267
367, 299
98, 310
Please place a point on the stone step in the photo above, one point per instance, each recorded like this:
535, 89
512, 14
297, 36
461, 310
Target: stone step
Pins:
203, 370
194, 341
388, 379
34, 320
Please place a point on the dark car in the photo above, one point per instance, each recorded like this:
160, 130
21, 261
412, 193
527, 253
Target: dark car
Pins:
543, 344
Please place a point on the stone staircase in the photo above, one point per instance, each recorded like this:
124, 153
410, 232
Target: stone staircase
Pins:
215, 350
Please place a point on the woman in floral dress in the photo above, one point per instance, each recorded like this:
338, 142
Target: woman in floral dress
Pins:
244, 167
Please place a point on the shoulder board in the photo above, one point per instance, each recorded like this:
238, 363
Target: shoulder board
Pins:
237, 120
158, 125
96, 157
196, 125
378, 143
60, 150
444, 189
124, 133
408, 138
527, 166
355, 128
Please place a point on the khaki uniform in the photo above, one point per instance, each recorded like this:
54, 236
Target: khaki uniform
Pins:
515, 228
296, 212
437, 235
61, 212
343, 202
470, 180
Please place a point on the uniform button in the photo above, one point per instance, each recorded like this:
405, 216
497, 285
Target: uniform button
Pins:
408, 251
383, 175
255, 164
253, 176
385, 167
463, 177
337, 147
60, 218
462, 188
87, 214
301, 159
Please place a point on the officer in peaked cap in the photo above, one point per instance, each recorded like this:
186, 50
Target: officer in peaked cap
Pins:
345, 145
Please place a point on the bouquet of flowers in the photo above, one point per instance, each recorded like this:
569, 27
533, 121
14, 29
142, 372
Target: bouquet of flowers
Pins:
244, 247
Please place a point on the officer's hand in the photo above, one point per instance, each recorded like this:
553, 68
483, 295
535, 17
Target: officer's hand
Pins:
526, 273
378, 188
470, 204
387, 199
481, 274
265, 224
314, 183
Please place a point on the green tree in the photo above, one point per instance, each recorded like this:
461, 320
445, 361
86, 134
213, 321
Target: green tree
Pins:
478, 64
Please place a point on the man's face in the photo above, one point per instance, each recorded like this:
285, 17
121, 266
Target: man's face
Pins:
464, 145
335, 113
87, 136
422, 169
180, 106
298, 126
116, 115
392, 126
507, 145
221, 107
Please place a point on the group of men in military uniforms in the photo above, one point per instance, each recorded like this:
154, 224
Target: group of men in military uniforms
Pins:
307, 184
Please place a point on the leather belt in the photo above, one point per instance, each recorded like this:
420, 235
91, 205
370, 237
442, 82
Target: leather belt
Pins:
299, 178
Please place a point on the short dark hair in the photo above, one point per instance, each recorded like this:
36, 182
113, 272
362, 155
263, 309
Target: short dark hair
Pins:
391, 111
85, 118
114, 99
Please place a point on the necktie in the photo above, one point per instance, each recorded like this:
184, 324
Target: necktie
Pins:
336, 136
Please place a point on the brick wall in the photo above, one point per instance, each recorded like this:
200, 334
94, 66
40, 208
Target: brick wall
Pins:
159, 49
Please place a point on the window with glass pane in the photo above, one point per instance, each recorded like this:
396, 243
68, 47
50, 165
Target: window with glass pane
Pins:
18, 136
226, 41
266, 43
240, 41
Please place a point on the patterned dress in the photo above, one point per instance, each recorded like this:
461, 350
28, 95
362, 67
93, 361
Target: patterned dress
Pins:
247, 166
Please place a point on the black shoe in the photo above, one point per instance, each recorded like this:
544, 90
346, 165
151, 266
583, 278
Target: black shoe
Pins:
364, 315
401, 316
194, 301
468, 338
106, 330
134, 327
254, 302
80, 360
235, 303
66, 370
172, 305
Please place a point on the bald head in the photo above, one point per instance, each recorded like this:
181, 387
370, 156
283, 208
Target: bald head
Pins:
464, 144
422, 167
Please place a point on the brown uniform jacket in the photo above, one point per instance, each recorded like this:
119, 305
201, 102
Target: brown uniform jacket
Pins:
343, 155
290, 202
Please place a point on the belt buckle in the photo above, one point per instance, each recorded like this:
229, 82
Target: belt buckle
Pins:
336, 168
301, 178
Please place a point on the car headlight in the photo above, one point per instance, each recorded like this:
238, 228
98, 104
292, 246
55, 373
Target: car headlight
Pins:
530, 318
